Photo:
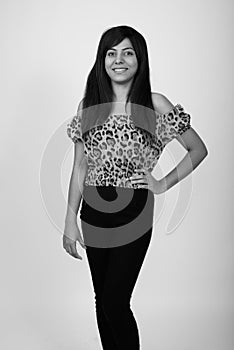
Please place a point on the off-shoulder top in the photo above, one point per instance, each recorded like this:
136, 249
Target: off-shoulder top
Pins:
117, 147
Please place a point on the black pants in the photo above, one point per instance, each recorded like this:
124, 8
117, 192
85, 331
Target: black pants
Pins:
114, 273
115, 269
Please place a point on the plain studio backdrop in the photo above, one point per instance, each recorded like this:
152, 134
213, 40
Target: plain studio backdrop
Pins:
183, 296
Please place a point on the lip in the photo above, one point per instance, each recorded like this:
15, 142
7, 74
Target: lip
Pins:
120, 72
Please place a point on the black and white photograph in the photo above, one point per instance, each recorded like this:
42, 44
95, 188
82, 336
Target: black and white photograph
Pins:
117, 164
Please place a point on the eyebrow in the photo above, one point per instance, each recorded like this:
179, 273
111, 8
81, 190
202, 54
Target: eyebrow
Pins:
122, 49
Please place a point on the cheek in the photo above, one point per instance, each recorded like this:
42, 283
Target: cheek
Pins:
133, 63
108, 62
135, 66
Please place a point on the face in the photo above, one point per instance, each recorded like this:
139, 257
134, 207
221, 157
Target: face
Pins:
121, 56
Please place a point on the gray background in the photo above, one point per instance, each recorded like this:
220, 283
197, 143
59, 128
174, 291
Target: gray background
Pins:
183, 297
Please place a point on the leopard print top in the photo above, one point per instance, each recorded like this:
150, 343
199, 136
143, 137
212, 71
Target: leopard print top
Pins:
115, 148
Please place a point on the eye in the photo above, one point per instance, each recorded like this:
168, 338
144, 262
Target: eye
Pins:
126, 52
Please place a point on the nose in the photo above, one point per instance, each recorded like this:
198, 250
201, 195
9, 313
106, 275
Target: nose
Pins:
119, 58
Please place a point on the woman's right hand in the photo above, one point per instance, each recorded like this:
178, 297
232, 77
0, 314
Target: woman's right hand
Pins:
70, 236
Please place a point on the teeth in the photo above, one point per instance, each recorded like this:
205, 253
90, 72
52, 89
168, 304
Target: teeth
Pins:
119, 69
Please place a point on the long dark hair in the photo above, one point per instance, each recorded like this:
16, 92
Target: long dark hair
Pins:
98, 96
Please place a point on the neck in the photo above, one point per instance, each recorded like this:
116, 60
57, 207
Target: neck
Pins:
119, 107
120, 92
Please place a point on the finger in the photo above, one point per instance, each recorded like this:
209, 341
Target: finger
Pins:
142, 179
67, 248
82, 244
141, 186
64, 241
136, 178
74, 252
145, 186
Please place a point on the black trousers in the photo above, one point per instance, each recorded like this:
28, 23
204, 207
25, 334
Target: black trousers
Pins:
114, 272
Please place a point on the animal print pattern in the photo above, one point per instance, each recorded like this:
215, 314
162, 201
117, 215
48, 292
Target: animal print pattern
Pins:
116, 148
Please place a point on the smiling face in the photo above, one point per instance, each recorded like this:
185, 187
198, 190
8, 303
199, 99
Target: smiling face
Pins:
121, 56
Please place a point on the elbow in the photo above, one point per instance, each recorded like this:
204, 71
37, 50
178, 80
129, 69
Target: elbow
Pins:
204, 151
201, 152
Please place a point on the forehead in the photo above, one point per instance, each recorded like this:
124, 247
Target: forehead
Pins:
124, 43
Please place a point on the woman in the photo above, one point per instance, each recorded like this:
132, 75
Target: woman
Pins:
114, 154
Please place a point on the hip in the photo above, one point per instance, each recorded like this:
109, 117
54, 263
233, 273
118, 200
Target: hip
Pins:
111, 206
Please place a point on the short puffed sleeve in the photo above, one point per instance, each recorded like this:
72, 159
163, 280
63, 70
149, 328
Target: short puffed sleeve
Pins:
74, 129
175, 123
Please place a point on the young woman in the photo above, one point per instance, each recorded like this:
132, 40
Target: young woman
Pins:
119, 133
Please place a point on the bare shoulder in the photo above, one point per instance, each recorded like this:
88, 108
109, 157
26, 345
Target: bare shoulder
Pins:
161, 103
80, 106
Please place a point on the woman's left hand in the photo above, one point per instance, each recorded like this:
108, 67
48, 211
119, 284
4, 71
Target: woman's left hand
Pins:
147, 180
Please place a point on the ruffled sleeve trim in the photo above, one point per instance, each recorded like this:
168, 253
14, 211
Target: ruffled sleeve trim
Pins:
175, 122
74, 131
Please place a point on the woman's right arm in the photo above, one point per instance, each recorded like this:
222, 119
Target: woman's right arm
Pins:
76, 182
71, 229
76, 185
78, 173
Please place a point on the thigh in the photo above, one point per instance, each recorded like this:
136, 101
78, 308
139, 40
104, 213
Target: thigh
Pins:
98, 262
124, 265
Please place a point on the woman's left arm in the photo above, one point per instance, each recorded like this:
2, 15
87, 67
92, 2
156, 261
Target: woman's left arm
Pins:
189, 139
196, 152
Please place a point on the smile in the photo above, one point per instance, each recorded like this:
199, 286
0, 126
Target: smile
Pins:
119, 70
